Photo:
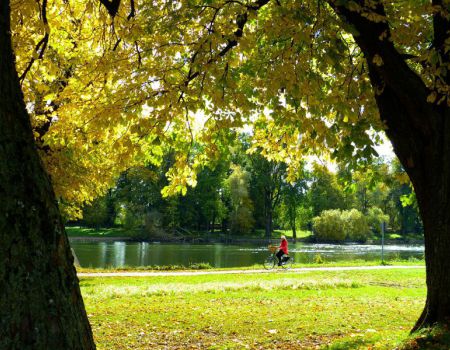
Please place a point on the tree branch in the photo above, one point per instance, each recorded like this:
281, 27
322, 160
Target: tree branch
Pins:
111, 6
441, 32
41, 45
241, 21
132, 10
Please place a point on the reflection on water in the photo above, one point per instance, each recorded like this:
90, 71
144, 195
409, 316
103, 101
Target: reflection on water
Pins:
104, 254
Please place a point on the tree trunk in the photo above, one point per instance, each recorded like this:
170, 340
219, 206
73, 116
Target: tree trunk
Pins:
294, 230
41, 305
268, 213
436, 220
420, 135
213, 222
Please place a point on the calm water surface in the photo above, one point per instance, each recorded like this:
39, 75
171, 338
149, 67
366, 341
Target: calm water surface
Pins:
117, 254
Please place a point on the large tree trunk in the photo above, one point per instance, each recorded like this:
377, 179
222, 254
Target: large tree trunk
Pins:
40, 305
420, 134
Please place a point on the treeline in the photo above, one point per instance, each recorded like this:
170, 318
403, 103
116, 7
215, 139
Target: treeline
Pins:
245, 194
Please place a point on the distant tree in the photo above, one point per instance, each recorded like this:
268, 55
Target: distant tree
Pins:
292, 196
97, 214
241, 211
267, 181
375, 218
325, 192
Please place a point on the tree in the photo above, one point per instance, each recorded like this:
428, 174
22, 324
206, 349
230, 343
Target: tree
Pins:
241, 211
266, 184
41, 305
314, 76
325, 192
293, 195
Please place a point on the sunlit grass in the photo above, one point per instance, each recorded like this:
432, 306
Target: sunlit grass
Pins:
78, 231
339, 309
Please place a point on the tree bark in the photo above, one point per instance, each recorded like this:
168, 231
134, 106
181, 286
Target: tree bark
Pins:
41, 305
420, 135
268, 213
294, 230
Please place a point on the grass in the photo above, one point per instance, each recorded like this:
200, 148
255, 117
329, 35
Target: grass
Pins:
309, 310
301, 234
206, 266
78, 231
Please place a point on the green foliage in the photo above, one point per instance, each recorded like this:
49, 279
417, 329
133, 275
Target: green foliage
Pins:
241, 215
318, 259
375, 217
329, 226
337, 225
304, 217
97, 214
325, 192
355, 225
243, 201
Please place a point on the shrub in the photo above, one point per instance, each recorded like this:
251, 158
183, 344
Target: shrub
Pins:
337, 225
329, 226
355, 225
318, 259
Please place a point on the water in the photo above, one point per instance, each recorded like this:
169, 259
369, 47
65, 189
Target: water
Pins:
117, 254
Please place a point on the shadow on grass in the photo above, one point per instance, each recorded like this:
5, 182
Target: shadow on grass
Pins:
437, 338
348, 344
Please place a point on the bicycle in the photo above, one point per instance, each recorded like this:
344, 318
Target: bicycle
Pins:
271, 261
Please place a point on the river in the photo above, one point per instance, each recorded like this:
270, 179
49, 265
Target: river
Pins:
119, 254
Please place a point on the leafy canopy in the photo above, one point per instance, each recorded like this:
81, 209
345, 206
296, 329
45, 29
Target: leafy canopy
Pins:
106, 87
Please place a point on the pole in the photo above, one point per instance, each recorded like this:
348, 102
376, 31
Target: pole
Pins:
382, 243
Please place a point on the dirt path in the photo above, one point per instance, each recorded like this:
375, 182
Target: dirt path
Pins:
228, 272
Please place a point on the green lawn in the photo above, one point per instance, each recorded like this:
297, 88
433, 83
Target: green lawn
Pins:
281, 310
77, 231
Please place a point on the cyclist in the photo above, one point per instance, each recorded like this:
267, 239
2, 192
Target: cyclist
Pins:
282, 250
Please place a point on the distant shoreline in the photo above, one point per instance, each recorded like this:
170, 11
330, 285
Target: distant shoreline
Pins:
233, 240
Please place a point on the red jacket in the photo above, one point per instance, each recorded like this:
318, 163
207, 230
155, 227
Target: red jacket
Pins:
284, 246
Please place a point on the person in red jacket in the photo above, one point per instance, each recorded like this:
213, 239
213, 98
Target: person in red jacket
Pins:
282, 250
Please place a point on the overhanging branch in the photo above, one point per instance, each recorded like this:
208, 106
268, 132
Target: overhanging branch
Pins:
111, 6
241, 21
41, 45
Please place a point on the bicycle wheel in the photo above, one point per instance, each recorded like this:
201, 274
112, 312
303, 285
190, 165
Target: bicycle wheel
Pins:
288, 263
269, 263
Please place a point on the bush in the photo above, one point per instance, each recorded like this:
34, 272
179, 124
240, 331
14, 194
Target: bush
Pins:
337, 225
355, 225
329, 226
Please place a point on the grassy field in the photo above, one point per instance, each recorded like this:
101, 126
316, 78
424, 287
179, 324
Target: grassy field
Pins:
206, 266
281, 310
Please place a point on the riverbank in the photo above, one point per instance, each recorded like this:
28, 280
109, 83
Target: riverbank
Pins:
79, 234
349, 309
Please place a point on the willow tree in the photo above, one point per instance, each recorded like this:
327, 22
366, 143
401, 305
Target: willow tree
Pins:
106, 81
